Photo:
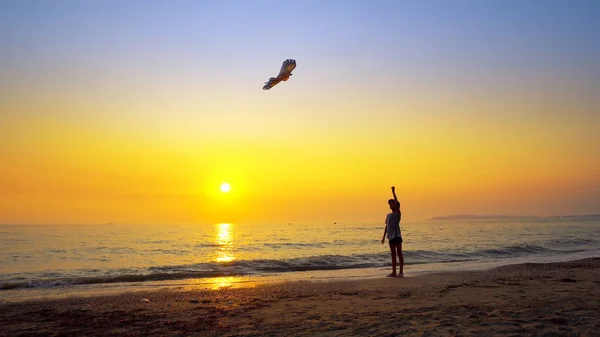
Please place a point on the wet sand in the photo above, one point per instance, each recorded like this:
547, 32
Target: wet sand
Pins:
556, 299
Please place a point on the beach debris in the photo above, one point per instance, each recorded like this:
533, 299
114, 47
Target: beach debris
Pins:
558, 321
194, 301
567, 280
145, 300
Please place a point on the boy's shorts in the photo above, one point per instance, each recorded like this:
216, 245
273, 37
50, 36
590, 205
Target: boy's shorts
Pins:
396, 241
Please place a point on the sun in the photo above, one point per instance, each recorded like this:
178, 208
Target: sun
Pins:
225, 187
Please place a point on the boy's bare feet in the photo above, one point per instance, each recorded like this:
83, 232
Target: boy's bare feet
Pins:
400, 275
392, 275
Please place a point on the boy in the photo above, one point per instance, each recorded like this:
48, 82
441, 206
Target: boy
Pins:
392, 229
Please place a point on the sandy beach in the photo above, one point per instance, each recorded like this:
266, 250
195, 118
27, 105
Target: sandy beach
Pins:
557, 299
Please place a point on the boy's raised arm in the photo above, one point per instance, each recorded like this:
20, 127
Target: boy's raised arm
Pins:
394, 193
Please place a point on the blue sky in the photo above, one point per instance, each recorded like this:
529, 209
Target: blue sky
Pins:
443, 35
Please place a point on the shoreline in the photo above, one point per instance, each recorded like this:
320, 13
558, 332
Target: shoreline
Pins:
15, 295
526, 299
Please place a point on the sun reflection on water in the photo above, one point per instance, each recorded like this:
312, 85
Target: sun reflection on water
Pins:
224, 241
223, 282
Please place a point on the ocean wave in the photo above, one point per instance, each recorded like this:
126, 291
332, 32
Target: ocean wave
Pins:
296, 245
310, 263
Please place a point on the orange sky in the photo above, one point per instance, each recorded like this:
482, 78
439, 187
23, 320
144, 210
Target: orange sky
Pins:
147, 133
64, 170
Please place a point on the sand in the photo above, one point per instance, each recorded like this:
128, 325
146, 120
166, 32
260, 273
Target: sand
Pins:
557, 299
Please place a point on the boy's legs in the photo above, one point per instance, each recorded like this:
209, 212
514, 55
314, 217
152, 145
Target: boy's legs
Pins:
400, 259
393, 249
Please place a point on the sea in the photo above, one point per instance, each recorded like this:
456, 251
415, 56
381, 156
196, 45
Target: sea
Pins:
48, 261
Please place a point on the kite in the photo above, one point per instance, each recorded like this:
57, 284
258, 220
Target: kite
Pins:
284, 74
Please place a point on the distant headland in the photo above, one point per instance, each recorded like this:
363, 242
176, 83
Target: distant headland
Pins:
494, 216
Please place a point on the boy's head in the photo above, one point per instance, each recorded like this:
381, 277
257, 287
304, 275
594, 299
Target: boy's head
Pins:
394, 205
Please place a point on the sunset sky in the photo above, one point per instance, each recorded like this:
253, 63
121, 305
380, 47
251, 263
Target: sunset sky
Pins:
137, 111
